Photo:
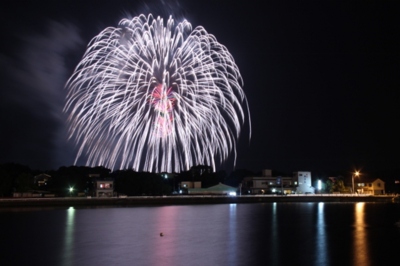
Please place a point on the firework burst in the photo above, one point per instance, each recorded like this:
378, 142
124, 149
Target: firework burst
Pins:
155, 97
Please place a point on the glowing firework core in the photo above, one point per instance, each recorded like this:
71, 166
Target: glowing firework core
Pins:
163, 103
155, 97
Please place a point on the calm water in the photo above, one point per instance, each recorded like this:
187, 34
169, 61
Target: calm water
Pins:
223, 234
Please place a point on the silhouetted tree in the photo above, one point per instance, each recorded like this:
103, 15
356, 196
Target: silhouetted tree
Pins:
15, 177
236, 177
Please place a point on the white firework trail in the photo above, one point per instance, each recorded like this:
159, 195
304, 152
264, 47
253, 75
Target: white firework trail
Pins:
155, 97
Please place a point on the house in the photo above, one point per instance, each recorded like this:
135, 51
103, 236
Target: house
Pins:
370, 186
254, 185
41, 180
267, 184
299, 183
190, 184
104, 187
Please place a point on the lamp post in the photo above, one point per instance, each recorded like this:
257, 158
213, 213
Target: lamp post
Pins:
356, 173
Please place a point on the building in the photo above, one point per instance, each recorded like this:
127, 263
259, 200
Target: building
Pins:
190, 184
220, 189
304, 182
104, 187
299, 183
370, 186
41, 180
267, 184
254, 185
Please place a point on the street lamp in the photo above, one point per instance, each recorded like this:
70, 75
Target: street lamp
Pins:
71, 189
356, 173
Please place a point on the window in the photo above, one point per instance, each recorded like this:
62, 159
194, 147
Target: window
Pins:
105, 185
379, 184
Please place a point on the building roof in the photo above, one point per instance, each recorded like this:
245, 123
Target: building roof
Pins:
221, 187
104, 179
42, 175
367, 180
217, 188
266, 177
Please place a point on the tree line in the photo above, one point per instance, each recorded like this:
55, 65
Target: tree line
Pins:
20, 178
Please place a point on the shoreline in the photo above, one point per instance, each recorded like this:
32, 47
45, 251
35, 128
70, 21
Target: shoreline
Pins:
185, 200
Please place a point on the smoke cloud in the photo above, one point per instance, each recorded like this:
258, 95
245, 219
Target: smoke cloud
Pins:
32, 96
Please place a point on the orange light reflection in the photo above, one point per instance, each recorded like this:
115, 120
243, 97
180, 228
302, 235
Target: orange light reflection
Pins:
360, 249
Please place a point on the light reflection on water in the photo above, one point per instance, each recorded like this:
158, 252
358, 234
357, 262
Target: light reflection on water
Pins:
165, 251
361, 254
232, 235
221, 234
68, 248
274, 240
321, 241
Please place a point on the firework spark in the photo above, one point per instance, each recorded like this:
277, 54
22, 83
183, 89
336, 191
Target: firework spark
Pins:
155, 97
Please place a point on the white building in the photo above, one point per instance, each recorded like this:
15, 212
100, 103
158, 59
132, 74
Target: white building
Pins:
304, 182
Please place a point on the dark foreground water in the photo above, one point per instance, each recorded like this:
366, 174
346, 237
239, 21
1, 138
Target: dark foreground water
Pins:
223, 234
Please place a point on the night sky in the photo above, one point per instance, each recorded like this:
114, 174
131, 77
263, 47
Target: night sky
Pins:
321, 77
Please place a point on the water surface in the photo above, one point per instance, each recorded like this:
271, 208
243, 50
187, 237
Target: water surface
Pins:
221, 234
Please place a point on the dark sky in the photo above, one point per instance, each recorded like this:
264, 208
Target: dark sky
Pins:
321, 77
